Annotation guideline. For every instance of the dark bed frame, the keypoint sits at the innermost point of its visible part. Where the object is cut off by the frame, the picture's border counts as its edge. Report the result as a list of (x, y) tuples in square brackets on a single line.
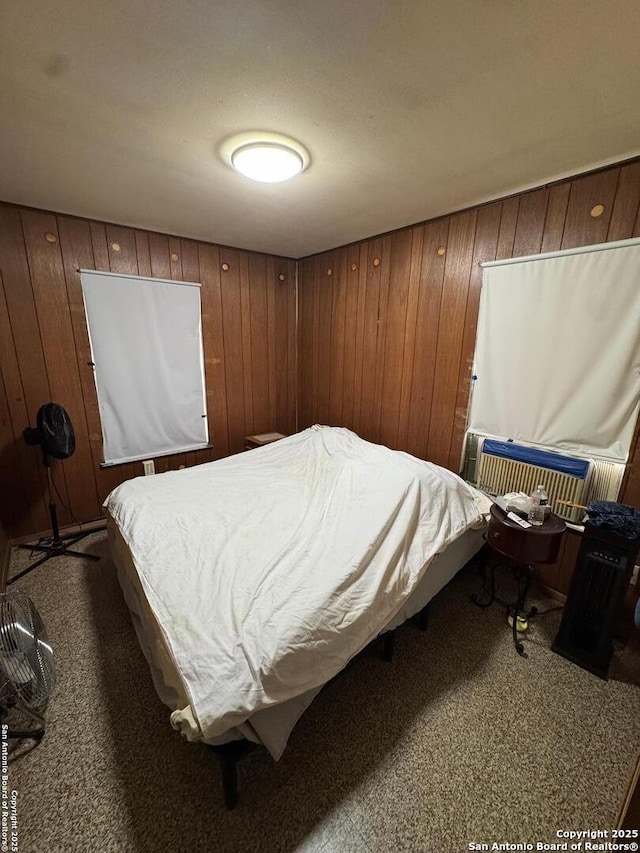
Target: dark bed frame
[(230, 754)]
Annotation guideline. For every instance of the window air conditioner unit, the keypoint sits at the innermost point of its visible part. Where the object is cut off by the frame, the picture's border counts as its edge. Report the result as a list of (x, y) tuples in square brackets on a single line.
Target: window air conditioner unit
[(498, 467)]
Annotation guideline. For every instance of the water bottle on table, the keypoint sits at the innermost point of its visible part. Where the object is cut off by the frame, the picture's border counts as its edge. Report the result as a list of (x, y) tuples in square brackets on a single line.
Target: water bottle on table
[(538, 502)]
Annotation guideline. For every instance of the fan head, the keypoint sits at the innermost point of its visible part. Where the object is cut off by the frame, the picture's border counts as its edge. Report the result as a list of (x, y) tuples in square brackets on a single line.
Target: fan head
[(54, 431), (27, 673)]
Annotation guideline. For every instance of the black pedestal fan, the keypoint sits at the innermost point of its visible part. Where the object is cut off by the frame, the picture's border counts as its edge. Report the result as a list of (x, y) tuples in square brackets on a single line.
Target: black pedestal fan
[(54, 433)]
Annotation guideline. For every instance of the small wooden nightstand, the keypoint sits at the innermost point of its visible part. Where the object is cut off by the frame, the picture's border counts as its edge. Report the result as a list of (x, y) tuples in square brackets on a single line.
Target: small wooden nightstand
[(253, 441), (524, 548)]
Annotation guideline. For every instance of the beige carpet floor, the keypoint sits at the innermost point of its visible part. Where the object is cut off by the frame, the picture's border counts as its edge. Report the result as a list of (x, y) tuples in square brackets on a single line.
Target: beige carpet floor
[(458, 740)]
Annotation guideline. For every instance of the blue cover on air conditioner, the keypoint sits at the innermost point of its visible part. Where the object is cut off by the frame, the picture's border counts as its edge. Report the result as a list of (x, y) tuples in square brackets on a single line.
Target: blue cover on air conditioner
[(543, 458)]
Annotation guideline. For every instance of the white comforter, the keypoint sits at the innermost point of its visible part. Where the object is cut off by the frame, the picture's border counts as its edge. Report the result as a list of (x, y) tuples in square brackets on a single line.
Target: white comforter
[(269, 570)]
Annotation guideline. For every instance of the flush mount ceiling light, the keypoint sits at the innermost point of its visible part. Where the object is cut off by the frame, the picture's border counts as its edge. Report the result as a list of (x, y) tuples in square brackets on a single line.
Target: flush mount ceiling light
[(266, 162), (265, 157)]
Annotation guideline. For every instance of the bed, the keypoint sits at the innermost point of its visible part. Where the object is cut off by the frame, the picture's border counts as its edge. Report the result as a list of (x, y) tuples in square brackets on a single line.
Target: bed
[(253, 580)]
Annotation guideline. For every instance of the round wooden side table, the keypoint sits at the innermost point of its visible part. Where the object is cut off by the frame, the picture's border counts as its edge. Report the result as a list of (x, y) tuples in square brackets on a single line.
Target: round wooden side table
[(523, 548)]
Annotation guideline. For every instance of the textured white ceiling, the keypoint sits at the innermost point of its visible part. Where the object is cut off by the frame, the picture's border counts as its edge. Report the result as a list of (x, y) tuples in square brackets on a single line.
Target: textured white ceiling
[(115, 110)]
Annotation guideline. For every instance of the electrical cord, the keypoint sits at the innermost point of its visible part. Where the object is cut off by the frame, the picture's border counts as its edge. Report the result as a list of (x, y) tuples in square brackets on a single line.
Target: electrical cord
[(64, 504), (550, 610), (487, 591)]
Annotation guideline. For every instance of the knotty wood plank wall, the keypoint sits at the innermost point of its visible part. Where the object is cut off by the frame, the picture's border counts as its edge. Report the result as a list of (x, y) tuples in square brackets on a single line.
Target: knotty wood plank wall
[(249, 332), (387, 326)]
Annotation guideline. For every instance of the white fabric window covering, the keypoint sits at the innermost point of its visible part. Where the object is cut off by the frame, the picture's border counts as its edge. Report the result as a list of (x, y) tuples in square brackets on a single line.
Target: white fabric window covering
[(146, 347), (557, 360)]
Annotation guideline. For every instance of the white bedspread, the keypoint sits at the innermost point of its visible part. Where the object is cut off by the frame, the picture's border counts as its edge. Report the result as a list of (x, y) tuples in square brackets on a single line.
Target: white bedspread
[(269, 570)]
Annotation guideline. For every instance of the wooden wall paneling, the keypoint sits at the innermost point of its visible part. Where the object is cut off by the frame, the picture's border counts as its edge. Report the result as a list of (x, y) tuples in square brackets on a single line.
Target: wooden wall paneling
[(450, 334), (188, 250), (315, 352), (417, 238), (233, 348), (338, 309), (245, 304), (626, 205), (142, 253), (532, 212), (580, 228), (325, 293), (368, 425), (395, 331), (162, 464), (558, 575), (74, 477), (259, 341), (215, 358), (358, 349), (547, 575), (99, 246), (289, 364), (23, 367), (77, 253), (508, 222), (190, 270), (360, 255), (5, 555), (44, 301), (306, 292), (16, 512), (175, 258), (555, 218), (383, 304), (350, 324), (22, 312), (486, 242), (22, 505), (435, 314), (159, 254), (626, 212), (630, 487), (271, 281), (436, 235), (121, 247), (630, 491), (292, 351)]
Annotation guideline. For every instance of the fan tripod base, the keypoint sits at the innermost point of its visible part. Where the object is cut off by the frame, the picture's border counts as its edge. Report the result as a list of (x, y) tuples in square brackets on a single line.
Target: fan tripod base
[(23, 734), (33, 734), (58, 548)]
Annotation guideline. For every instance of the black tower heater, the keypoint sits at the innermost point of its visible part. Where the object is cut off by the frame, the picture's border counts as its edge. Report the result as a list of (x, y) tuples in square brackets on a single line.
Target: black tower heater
[(600, 580)]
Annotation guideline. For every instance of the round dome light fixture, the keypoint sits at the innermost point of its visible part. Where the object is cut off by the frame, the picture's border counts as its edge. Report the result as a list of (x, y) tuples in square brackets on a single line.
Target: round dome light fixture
[(266, 162), (266, 157)]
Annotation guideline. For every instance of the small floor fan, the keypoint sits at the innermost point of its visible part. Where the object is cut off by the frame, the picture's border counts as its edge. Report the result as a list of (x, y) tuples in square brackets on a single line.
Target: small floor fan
[(54, 433), (27, 673)]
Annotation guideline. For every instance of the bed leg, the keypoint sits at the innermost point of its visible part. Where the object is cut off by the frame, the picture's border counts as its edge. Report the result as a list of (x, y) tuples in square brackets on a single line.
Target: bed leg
[(229, 771), (387, 648), (228, 756), (423, 618)]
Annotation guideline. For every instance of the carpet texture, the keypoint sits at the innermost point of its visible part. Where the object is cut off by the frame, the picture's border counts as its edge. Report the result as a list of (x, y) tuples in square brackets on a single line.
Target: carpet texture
[(458, 740)]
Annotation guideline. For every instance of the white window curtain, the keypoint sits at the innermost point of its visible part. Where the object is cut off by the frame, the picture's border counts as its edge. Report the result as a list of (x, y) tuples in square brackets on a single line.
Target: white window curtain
[(557, 360), (146, 346)]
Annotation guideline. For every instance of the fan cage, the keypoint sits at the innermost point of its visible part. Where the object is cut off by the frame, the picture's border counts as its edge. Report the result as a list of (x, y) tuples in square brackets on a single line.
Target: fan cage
[(27, 673)]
